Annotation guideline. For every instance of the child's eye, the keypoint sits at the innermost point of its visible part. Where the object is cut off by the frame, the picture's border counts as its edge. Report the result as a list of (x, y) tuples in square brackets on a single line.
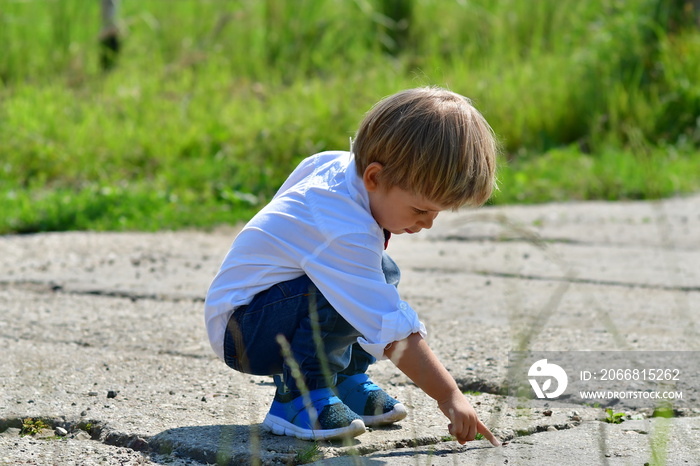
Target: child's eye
[(420, 212)]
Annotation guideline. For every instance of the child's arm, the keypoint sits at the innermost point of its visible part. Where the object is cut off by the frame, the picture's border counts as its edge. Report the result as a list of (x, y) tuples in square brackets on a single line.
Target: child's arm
[(414, 358)]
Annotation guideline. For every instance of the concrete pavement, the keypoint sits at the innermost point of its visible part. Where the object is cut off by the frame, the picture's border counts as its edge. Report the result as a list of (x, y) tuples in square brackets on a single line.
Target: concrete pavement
[(102, 335)]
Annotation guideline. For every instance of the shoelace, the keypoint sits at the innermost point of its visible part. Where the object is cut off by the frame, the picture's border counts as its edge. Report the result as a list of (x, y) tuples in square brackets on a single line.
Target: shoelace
[(368, 386)]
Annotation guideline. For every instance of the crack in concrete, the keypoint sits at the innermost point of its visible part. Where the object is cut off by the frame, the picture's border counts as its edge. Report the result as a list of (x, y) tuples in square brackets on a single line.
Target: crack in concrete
[(97, 430), (149, 445), (590, 281), (666, 246), (41, 287), (569, 279)]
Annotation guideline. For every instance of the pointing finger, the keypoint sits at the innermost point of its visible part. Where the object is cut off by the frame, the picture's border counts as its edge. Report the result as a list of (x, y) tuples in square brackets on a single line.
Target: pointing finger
[(483, 430)]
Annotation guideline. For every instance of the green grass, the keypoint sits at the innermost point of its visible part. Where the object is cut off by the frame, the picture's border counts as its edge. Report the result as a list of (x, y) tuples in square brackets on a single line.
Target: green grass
[(308, 454), (213, 103)]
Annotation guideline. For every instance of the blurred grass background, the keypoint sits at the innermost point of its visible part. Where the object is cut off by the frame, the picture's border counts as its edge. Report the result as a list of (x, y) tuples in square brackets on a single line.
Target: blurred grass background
[(211, 103)]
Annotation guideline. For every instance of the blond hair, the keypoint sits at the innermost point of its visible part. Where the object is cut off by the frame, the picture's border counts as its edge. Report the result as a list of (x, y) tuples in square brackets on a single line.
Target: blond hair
[(431, 142)]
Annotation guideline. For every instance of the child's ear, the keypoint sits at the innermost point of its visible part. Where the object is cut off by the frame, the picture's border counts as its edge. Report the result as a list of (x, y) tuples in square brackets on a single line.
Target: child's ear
[(371, 176)]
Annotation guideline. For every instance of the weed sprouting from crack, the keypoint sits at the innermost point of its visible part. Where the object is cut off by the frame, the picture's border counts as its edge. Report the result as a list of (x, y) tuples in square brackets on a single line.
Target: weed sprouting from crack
[(31, 426), (613, 417)]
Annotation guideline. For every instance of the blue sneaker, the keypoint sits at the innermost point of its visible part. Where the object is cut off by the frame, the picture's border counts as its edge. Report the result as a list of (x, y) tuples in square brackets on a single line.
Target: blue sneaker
[(318, 415), (372, 403)]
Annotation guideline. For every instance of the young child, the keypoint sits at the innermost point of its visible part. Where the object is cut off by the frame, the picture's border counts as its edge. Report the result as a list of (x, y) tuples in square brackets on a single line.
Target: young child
[(307, 293)]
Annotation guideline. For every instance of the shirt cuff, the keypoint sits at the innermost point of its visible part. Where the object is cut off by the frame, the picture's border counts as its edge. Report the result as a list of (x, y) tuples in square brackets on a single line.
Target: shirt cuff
[(396, 326)]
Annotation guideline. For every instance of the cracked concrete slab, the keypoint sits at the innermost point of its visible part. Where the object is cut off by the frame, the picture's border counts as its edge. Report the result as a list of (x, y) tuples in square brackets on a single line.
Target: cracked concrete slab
[(102, 336)]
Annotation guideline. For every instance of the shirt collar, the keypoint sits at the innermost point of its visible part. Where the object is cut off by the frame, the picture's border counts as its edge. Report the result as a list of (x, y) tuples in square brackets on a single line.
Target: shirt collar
[(356, 186), (357, 190)]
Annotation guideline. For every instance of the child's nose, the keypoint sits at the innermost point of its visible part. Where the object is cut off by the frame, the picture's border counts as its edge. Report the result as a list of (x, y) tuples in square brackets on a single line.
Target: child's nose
[(428, 222)]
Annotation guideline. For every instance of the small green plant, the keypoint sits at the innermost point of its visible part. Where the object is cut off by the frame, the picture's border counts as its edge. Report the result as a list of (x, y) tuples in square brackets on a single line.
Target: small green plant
[(308, 454), (89, 428), (32, 426), (614, 418), (479, 437)]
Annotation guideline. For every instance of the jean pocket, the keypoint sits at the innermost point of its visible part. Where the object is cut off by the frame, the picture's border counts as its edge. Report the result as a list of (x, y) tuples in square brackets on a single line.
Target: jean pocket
[(234, 348)]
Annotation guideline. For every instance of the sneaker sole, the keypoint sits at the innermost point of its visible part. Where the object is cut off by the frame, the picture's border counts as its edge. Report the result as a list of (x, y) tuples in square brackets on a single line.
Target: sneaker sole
[(279, 426), (399, 412)]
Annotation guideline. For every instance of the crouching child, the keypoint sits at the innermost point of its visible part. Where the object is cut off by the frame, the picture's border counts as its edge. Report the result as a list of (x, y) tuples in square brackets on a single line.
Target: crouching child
[(307, 293)]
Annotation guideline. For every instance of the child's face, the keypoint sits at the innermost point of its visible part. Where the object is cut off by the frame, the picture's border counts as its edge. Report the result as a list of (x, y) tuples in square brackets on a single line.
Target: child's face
[(398, 210)]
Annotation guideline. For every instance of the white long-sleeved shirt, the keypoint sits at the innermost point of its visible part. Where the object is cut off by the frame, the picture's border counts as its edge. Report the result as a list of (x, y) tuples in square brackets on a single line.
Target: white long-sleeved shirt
[(319, 224)]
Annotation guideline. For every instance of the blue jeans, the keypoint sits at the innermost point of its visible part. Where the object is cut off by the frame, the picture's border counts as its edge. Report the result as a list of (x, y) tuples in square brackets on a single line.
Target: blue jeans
[(291, 310)]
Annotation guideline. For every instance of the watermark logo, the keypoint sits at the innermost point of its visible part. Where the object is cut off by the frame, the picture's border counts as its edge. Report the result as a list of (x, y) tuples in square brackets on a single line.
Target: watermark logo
[(631, 380), (542, 369)]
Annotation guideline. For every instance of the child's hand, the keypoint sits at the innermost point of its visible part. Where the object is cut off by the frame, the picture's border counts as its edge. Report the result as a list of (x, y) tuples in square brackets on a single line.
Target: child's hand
[(415, 359), (464, 423)]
